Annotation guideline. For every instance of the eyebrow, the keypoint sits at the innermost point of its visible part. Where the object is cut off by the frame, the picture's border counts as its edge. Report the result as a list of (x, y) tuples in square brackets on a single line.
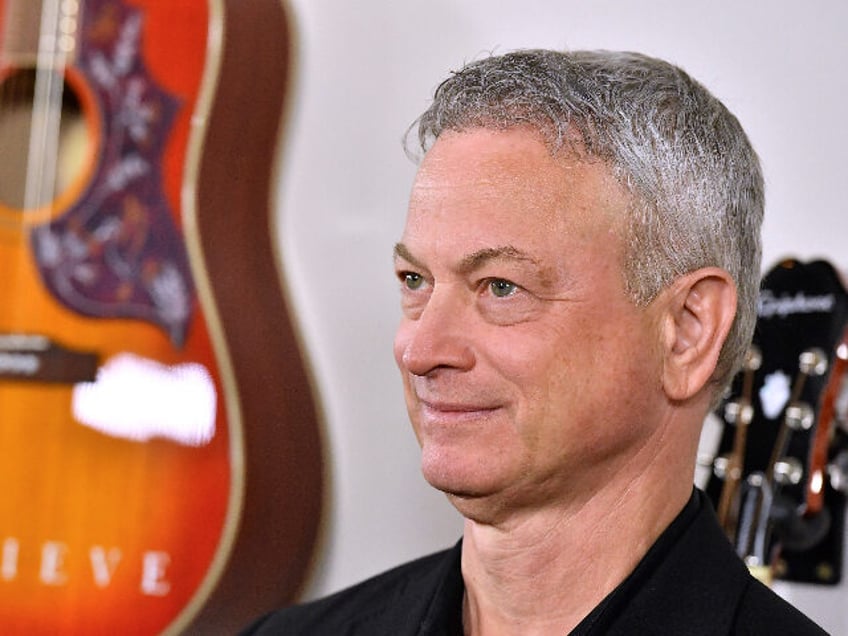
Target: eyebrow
[(478, 259), (475, 260), (402, 251)]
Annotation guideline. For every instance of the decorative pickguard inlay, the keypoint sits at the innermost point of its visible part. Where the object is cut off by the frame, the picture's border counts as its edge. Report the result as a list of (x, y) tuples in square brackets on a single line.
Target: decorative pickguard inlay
[(118, 252)]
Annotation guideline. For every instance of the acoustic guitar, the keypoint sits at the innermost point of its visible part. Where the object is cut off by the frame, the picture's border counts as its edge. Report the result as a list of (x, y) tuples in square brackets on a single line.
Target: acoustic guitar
[(160, 452), (778, 489)]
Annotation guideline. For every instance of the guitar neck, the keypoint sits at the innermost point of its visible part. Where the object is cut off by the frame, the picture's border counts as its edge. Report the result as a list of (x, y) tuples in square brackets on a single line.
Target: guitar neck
[(820, 443)]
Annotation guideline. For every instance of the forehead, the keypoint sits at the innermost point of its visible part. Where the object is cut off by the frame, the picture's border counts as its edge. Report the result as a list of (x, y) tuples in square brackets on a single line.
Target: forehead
[(489, 162), (480, 182)]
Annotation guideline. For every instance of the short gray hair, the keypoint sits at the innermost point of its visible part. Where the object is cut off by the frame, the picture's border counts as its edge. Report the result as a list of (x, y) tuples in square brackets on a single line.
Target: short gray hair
[(695, 181)]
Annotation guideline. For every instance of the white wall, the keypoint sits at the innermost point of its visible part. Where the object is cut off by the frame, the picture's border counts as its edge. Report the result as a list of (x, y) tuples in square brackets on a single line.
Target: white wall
[(365, 71)]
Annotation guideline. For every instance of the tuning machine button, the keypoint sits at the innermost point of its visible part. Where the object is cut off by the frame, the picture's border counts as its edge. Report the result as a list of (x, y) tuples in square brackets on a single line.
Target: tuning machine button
[(813, 362), (723, 469), (799, 416), (738, 412), (788, 471), (837, 472)]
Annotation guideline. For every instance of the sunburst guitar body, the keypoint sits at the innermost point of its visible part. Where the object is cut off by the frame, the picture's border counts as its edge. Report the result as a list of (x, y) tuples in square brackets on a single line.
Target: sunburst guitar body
[(160, 456)]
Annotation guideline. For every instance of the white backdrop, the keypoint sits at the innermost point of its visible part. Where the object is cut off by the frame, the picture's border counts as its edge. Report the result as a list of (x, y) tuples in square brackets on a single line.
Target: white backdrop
[(366, 69)]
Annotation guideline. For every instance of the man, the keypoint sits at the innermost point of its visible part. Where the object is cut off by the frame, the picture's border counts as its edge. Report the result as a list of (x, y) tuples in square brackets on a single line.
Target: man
[(578, 277)]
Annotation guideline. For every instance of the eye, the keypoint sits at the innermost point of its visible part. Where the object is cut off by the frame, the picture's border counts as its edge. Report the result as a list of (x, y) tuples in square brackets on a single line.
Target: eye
[(502, 288), (411, 280)]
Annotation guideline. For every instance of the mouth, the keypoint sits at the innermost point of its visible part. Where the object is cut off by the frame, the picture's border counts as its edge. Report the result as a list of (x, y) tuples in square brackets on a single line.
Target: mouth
[(443, 412)]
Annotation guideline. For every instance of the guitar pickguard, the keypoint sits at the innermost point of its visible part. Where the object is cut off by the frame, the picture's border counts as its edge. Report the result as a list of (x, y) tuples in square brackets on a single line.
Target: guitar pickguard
[(117, 252)]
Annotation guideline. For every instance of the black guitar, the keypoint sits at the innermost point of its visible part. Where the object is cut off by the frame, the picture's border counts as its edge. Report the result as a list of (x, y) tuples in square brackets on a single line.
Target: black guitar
[(776, 486)]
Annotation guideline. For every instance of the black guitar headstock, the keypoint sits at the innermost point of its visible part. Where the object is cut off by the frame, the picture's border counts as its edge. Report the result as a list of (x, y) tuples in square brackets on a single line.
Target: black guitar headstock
[(771, 487)]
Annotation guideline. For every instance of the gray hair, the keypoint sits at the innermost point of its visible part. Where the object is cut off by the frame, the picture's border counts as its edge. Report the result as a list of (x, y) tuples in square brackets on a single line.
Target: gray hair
[(695, 181)]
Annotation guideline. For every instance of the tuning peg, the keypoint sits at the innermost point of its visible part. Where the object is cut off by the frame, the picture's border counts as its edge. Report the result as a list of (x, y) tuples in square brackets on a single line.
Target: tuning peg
[(753, 358), (813, 362), (837, 471), (788, 471), (722, 470), (738, 412), (799, 416)]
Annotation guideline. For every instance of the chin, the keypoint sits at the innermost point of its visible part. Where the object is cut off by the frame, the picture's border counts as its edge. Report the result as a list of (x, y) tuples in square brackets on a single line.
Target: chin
[(466, 480), (484, 509), (448, 472)]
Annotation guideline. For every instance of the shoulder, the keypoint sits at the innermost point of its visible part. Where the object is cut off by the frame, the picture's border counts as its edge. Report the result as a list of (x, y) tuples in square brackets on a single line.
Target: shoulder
[(762, 611), (699, 587), (750, 607), (399, 595)]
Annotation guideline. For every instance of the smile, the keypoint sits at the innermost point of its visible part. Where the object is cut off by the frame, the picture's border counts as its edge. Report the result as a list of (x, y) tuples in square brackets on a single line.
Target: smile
[(454, 412)]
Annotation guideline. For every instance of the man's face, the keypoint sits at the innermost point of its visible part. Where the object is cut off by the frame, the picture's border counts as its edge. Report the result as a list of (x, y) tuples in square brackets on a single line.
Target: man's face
[(528, 373)]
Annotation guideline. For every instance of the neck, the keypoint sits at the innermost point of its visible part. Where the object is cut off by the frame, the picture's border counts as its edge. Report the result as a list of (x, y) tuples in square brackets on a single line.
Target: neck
[(543, 571)]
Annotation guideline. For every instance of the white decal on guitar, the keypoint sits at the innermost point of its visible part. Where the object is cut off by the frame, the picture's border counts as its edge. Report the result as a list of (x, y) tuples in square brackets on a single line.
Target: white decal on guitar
[(775, 393), (139, 399)]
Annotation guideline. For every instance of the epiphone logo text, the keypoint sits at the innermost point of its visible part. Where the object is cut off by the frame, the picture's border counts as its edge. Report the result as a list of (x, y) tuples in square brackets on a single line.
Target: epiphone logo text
[(104, 562), (782, 306)]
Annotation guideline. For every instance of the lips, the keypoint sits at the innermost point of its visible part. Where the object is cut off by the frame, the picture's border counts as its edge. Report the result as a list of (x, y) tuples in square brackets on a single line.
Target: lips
[(454, 407), (444, 412), (446, 401)]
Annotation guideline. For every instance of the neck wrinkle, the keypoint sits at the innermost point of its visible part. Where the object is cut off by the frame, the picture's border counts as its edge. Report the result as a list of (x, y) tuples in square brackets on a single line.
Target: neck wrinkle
[(546, 571)]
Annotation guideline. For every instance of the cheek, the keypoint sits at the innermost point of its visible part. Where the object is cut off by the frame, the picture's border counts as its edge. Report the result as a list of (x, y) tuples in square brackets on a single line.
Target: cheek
[(542, 377), (578, 374), (608, 386)]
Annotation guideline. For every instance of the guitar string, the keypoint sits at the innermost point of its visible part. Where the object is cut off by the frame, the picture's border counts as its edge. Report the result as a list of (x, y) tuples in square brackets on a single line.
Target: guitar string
[(758, 533), (42, 157), (32, 99)]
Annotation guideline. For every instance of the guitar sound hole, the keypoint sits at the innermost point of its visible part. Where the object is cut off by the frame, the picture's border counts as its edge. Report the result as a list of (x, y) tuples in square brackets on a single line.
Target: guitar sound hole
[(44, 146)]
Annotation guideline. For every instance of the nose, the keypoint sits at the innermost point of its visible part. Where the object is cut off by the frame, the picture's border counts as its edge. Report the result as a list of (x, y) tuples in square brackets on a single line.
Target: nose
[(438, 338)]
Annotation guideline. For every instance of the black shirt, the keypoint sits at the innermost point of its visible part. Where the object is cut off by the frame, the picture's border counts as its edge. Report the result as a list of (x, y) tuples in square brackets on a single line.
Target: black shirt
[(690, 583)]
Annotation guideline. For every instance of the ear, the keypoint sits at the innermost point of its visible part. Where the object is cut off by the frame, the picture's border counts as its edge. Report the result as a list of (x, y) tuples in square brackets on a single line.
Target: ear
[(700, 308)]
